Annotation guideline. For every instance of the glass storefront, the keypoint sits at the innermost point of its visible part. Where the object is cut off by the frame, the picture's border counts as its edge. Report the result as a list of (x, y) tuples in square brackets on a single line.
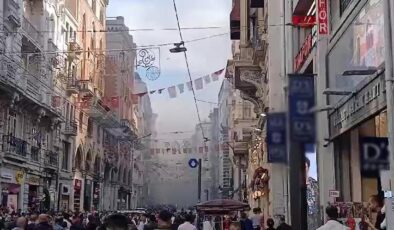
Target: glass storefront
[(360, 47)]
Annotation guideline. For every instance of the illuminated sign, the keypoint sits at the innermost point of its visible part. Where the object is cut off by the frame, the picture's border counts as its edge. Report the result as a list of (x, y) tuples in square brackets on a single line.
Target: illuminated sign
[(322, 16)]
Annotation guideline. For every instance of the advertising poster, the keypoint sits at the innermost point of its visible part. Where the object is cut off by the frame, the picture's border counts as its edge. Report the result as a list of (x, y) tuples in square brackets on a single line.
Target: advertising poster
[(312, 187), (12, 202)]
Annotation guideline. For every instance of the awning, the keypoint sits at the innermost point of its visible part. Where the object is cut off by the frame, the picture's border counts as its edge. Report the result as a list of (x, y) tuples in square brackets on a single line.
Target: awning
[(235, 21), (303, 7)]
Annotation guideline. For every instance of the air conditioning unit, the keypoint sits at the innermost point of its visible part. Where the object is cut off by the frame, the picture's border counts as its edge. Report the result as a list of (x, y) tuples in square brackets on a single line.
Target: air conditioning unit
[(65, 189)]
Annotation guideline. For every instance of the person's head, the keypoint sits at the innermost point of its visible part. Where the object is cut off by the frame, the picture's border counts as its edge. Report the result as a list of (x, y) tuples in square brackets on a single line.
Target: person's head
[(152, 218), (270, 222), (59, 221), (307, 165), (21, 222), (244, 215), (33, 218), (76, 220), (189, 218), (282, 219), (375, 203), (235, 226), (66, 216), (332, 212), (115, 222), (143, 218), (164, 218), (43, 218)]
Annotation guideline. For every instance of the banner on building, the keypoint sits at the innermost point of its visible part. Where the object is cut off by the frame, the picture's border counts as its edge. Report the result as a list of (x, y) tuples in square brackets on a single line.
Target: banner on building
[(276, 138), (374, 155), (322, 12), (301, 101)]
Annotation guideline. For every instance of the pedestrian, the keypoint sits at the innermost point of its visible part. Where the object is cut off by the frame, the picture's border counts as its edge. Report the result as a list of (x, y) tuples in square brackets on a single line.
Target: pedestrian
[(21, 223), (206, 225), (235, 226), (189, 219), (92, 223), (257, 219), (115, 221), (66, 218), (76, 223), (164, 220), (32, 222), (376, 204), (282, 224), (246, 223), (332, 223), (43, 223), (270, 224), (141, 223), (151, 225), (59, 223)]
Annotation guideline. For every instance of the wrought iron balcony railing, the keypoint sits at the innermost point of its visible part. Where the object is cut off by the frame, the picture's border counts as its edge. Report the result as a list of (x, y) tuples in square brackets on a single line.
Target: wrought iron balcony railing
[(51, 158), (71, 128), (35, 154), (14, 145)]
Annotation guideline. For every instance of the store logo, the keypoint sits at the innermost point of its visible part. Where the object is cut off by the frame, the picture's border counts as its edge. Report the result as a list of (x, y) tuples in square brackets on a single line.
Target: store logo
[(374, 155)]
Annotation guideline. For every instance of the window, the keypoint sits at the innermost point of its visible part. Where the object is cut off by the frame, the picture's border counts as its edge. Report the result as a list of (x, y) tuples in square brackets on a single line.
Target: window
[(83, 27), (94, 7), (90, 127), (66, 155), (80, 121)]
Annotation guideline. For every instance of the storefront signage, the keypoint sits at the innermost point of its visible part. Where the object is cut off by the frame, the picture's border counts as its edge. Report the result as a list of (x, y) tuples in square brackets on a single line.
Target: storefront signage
[(334, 193), (374, 155), (322, 10), (77, 184), (366, 102), (19, 175), (301, 101), (304, 21), (276, 138), (33, 180), (303, 53), (7, 175)]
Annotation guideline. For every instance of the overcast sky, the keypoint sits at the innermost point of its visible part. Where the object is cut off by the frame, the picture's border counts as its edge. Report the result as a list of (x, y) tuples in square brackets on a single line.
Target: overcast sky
[(205, 56)]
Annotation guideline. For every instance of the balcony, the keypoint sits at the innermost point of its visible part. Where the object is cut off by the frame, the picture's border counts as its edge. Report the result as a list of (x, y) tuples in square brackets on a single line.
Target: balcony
[(71, 129), (51, 159), (14, 148), (35, 154), (74, 50), (32, 33), (11, 11), (86, 87), (72, 85)]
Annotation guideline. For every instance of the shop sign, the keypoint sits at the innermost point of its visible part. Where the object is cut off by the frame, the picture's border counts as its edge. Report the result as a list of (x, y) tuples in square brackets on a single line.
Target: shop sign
[(276, 138), (304, 21), (334, 193), (322, 10), (363, 104), (303, 53), (33, 180), (374, 155), (7, 175), (301, 101), (77, 184), (19, 176)]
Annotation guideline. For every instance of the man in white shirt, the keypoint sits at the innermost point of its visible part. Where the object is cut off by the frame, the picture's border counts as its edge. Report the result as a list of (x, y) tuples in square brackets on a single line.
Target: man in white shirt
[(189, 219), (332, 223)]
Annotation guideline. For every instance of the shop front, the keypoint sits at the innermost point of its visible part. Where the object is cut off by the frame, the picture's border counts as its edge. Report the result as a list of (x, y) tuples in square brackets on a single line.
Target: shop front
[(358, 124), (11, 189), (77, 194), (32, 193)]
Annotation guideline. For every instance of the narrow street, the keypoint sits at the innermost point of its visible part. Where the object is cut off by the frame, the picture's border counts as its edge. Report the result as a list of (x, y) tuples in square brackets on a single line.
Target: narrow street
[(186, 114)]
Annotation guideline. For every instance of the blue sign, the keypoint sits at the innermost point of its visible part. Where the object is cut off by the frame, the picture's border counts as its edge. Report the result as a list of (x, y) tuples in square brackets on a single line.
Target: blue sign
[(276, 138), (301, 101), (193, 163), (374, 155)]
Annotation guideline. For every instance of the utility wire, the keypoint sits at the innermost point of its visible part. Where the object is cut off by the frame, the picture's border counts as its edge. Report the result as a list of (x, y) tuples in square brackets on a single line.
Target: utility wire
[(188, 71), (208, 102), (124, 30), (117, 50)]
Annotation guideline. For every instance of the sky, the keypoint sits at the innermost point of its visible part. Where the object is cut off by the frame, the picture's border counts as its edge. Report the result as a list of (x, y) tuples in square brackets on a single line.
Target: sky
[(205, 56)]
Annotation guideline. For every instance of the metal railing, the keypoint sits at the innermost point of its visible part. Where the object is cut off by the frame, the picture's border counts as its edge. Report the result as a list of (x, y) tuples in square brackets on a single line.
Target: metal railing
[(14, 145), (35, 154), (51, 158), (32, 31)]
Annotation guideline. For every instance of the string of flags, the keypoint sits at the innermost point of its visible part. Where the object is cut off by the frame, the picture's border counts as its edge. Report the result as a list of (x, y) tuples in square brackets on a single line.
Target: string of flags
[(114, 101), (197, 84), (189, 150)]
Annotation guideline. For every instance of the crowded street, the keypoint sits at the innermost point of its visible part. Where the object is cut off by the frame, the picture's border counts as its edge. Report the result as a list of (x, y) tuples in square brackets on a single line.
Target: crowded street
[(197, 114)]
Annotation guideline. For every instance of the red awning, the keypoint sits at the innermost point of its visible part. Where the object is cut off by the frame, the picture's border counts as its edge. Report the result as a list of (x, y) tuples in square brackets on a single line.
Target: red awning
[(302, 7), (235, 23)]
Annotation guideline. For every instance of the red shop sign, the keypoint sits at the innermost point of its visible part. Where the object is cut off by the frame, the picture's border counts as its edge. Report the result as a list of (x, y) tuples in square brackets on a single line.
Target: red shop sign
[(304, 21), (322, 16), (304, 53)]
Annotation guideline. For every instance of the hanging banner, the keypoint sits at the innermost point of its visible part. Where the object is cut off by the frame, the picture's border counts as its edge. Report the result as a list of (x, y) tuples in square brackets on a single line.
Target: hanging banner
[(189, 85), (276, 138), (301, 101), (181, 88), (199, 84), (207, 79), (172, 92)]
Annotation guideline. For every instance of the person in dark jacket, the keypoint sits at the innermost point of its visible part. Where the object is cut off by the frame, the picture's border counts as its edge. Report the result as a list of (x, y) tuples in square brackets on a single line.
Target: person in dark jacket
[(151, 225), (164, 220), (43, 223), (282, 224), (246, 223), (76, 223), (115, 221), (270, 224)]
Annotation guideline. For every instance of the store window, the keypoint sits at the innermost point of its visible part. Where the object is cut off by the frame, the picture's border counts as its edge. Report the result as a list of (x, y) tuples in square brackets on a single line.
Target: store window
[(360, 47), (66, 155)]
